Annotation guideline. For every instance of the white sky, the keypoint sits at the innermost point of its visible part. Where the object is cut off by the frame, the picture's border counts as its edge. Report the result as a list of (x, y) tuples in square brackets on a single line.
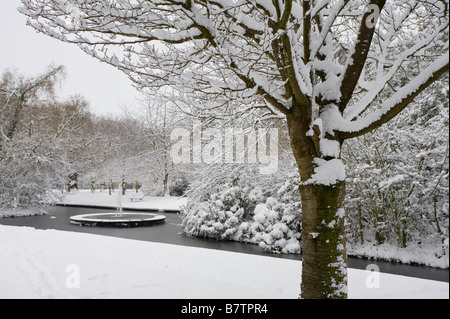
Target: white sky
[(22, 48)]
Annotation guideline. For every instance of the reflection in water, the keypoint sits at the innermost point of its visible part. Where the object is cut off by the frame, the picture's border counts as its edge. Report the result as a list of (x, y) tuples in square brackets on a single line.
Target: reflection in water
[(170, 233)]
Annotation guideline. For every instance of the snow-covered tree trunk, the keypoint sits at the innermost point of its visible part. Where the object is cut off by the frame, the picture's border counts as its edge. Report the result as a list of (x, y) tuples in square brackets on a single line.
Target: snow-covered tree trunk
[(324, 257)]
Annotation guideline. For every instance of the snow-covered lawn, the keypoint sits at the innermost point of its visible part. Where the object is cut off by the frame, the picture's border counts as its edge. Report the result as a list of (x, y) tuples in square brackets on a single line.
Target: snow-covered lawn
[(57, 264)]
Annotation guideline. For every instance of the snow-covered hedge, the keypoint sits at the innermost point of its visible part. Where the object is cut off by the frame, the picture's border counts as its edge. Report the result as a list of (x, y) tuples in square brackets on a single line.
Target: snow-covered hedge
[(248, 215), (220, 217)]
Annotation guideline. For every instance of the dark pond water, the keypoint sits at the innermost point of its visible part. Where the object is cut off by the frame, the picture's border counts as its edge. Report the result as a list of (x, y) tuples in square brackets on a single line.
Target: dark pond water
[(170, 233)]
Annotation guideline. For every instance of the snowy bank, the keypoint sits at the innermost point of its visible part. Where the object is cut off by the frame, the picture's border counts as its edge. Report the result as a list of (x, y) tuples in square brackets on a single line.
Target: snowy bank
[(423, 254), (57, 264), (22, 212), (103, 199)]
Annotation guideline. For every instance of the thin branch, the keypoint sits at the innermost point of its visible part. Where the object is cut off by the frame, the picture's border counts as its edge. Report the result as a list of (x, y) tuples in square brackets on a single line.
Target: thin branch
[(401, 99)]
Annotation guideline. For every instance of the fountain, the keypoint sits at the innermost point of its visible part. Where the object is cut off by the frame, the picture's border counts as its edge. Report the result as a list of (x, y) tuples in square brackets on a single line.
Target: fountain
[(119, 218), (128, 220)]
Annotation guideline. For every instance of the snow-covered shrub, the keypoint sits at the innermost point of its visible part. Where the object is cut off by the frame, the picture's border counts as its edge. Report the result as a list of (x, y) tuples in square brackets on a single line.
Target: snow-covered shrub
[(179, 186), (28, 176), (152, 188), (276, 223), (248, 215), (219, 217), (397, 186)]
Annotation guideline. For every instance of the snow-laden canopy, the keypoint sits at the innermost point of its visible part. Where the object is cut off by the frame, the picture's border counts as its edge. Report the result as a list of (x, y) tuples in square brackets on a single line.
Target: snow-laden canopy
[(352, 63)]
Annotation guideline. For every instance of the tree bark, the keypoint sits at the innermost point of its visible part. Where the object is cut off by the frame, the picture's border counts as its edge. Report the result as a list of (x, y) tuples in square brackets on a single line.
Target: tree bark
[(360, 223), (166, 190), (124, 187), (324, 259)]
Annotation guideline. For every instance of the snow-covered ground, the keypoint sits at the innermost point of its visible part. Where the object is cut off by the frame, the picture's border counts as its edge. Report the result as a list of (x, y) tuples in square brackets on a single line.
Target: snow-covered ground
[(86, 197), (58, 264)]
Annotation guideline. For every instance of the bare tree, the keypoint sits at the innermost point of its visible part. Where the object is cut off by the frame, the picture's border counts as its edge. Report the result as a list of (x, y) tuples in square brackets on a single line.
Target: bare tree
[(158, 118), (333, 69)]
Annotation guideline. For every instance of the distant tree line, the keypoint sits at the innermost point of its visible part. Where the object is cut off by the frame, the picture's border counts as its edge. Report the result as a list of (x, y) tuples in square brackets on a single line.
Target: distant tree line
[(49, 146)]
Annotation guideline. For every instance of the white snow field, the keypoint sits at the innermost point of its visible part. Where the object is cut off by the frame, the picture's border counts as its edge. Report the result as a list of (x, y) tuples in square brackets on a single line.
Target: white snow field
[(103, 199), (57, 264)]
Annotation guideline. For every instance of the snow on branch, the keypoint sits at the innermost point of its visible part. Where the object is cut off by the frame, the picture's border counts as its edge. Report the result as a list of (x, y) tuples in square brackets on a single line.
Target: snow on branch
[(308, 55), (395, 104), (382, 78)]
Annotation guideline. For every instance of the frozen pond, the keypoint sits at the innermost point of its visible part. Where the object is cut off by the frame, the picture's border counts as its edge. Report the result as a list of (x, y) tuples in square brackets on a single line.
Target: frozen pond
[(170, 233)]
